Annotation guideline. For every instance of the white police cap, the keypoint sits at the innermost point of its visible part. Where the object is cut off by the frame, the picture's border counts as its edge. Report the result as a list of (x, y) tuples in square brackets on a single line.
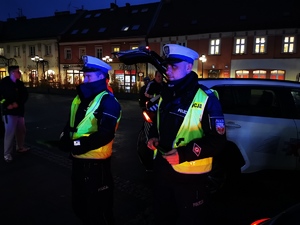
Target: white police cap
[(93, 64), (177, 53)]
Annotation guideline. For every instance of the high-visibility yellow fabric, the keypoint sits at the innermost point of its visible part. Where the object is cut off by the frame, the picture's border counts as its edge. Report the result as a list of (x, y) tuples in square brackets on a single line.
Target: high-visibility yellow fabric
[(88, 126), (189, 130)]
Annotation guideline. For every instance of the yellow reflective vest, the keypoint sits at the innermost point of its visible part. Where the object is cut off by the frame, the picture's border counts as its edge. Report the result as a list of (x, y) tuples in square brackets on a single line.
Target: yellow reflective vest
[(88, 126), (189, 130)]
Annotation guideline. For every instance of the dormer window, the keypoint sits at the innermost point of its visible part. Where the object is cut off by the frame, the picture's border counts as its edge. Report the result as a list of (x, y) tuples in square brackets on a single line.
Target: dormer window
[(74, 32), (84, 31), (102, 29), (135, 27)]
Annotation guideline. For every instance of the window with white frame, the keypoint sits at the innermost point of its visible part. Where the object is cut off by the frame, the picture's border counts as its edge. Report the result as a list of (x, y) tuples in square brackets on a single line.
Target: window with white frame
[(32, 50), (260, 45), (82, 51), (17, 51), (2, 51), (68, 53), (99, 52), (48, 50), (240, 45), (214, 48), (288, 44)]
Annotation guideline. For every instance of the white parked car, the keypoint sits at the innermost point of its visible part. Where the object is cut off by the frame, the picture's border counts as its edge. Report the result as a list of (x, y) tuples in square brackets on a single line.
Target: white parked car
[(262, 122)]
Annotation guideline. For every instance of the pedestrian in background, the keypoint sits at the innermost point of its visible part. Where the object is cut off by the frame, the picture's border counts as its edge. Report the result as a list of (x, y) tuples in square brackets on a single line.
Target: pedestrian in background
[(89, 135), (189, 132), (142, 98), (108, 84), (155, 86), (13, 96)]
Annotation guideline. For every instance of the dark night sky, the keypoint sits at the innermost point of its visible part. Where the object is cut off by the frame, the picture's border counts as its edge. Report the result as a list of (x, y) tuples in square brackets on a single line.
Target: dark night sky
[(43, 8)]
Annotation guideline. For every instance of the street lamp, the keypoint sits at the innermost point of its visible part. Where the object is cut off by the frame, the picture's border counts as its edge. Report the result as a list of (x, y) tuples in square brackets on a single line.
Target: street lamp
[(37, 59), (107, 59), (203, 60)]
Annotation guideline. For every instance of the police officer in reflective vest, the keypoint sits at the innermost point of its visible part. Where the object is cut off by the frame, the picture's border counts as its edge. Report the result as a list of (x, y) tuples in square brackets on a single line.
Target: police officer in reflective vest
[(188, 133), (88, 135)]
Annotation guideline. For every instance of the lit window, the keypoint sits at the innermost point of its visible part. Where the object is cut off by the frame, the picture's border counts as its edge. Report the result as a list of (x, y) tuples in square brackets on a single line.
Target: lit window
[(115, 49), (125, 28), (240, 46), (2, 51), (260, 74), (260, 45), (242, 74), (133, 47), (215, 46), (277, 74), (289, 44)]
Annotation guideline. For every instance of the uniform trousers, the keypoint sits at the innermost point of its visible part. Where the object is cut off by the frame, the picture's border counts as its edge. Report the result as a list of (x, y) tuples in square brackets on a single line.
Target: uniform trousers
[(179, 199), (92, 191), (14, 130)]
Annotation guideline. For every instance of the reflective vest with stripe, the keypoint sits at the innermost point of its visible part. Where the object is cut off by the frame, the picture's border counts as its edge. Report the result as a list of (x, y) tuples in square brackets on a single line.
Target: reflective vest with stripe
[(88, 126), (189, 130)]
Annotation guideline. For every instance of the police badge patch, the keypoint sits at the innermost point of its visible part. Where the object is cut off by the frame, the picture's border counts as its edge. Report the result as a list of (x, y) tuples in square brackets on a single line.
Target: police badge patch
[(196, 149), (220, 126), (166, 51)]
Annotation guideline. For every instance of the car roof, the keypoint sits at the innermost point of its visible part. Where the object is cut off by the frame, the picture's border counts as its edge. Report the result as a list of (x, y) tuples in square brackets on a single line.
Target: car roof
[(211, 82)]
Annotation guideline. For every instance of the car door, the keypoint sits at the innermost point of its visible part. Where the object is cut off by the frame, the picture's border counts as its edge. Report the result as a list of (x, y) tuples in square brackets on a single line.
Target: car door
[(295, 107), (260, 127)]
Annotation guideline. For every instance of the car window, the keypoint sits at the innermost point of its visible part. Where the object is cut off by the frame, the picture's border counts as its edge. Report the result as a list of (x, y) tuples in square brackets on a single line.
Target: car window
[(250, 100)]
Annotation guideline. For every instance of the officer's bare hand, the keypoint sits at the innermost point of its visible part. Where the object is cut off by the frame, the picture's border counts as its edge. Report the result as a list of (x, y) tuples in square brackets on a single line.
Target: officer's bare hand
[(153, 143), (172, 157)]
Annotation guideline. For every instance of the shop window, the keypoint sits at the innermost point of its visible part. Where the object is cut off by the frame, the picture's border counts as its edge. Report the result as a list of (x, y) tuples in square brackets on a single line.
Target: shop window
[(242, 74), (277, 74), (259, 74)]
